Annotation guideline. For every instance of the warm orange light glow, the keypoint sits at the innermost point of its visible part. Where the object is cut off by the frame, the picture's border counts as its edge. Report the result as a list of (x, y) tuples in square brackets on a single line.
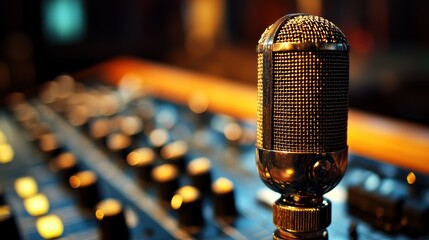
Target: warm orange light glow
[(198, 102), (158, 137), (199, 166), (176, 201), (131, 86), (6, 153), (26, 187), (184, 194), (65, 160), (369, 135), (118, 141), (82, 179), (313, 7), (411, 178), (49, 226), (48, 142), (222, 185), (78, 115), (130, 125), (233, 131), (4, 212), (174, 149), (100, 128), (164, 173), (140, 157), (36, 205), (108, 207)]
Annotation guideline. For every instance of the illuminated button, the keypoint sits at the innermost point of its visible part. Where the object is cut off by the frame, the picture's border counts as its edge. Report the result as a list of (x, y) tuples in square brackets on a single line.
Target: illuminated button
[(175, 153), (142, 159), (187, 203), (36, 205), (65, 164), (6, 153), (78, 115), (26, 187), (111, 217), (198, 103), (100, 129), (130, 125), (85, 183), (411, 178), (50, 145), (50, 226), (8, 228), (158, 138), (200, 174), (119, 143), (233, 132), (224, 199), (166, 180)]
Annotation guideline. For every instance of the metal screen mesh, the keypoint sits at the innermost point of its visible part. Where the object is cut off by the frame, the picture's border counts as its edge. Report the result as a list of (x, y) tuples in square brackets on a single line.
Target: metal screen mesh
[(307, 28), (310, 101), (259, 101)]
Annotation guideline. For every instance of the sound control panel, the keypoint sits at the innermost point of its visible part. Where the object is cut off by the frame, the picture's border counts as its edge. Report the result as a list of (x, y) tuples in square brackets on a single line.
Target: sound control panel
[(95, 161)]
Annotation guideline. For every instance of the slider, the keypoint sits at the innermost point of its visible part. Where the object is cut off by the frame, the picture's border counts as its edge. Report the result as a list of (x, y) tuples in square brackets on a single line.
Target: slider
[(187, 203), (175, 153), (199, 170), (141, 160), (166, 179), (85, 184), (224, 199), (111, 218)]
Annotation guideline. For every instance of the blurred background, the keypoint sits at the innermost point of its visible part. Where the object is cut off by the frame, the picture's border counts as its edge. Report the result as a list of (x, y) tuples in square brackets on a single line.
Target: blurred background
[(389, 64)]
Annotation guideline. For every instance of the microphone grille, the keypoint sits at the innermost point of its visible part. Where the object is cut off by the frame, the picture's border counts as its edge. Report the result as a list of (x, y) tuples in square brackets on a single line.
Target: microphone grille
[(310, 29), (310, 101), (307, 89)]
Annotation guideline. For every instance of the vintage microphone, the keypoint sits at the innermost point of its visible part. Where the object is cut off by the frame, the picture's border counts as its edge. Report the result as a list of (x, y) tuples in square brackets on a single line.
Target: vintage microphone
[(301, 146)]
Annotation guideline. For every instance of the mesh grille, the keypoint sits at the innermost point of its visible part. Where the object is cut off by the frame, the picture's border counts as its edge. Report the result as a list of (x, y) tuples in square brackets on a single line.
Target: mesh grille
[(307, 28), (259, 101), (310, 101)]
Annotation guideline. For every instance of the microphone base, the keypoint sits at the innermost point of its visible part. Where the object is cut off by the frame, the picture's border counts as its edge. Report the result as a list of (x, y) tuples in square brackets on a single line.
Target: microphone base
[(280, 234), (301, 221)]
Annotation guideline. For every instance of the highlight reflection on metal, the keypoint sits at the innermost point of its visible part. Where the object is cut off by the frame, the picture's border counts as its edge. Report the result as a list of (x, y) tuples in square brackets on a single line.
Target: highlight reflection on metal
[(286, 46), (302, 103), (302, 109)]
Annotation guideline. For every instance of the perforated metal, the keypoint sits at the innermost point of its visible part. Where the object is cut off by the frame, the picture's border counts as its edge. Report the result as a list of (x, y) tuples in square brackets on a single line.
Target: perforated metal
[(259, 101), (310, 101), (308, 28), (309, 89)]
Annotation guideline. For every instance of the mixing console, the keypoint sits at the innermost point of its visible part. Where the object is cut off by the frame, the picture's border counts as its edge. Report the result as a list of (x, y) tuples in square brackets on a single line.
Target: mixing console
[(95, 161)]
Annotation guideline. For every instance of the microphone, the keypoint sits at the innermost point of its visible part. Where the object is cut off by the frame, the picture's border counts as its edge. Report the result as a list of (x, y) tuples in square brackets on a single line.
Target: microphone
[(302, 107)]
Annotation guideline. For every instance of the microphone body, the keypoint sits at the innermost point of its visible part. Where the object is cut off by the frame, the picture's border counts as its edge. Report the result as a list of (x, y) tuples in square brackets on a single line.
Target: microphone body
[(301, 146)]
